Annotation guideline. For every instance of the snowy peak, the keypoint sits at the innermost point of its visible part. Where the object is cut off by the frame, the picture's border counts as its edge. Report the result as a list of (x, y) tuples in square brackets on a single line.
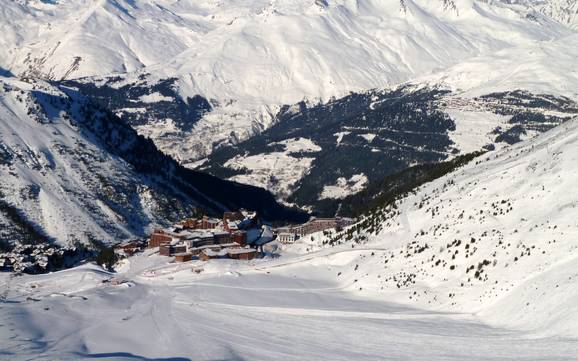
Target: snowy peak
[(66, 39)]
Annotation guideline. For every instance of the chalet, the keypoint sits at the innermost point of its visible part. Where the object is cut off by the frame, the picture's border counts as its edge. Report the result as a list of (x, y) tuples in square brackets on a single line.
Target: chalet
[(129, 247), (159, 236), (242, 253), (209, 223), (208, 254), (183, 257)]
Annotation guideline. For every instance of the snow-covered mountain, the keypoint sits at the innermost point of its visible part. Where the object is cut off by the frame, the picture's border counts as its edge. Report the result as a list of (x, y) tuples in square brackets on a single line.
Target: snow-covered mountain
[(496, 238), (72, 172), (246, 59), (315, 100), (484, 102), (199, 76), (319, 156), (70, 38)]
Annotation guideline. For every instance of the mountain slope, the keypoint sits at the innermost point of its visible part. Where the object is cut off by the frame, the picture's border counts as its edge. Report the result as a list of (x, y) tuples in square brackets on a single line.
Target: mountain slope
[(261, 55), (547, 68), (318, 156), (485, 102), (75, 172), (496, 238), (71, 38)]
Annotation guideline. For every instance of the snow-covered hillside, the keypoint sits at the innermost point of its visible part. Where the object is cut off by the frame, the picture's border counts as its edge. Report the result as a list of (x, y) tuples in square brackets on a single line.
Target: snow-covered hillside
[(58, 178), (364, 138), (70, 38), (76, 173), (563, 11), (294, 44), (263, 310), (496, 238), (547, 68)]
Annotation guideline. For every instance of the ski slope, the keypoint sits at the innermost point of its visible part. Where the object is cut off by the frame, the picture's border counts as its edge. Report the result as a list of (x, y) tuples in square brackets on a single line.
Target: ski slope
[(263, 311)]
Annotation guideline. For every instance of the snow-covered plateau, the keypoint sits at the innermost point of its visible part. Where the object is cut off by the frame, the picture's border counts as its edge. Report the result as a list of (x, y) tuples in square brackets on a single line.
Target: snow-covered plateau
[(480, 265)]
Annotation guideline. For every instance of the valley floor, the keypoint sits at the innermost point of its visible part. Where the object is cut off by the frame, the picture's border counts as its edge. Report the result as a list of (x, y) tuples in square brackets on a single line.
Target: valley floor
[(288, 308)]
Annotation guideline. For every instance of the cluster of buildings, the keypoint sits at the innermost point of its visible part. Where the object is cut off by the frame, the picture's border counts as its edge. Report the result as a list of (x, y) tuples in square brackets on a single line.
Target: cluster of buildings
[(291, 234), (238, 235)]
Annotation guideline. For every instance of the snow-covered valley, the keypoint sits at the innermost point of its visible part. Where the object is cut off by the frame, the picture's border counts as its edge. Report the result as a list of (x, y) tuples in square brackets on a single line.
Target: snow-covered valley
[(247, 59), (217, 74)]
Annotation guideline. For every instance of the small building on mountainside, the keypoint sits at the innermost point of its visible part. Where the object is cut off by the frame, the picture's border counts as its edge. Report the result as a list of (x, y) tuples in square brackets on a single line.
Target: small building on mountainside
[(183, 257), (286, 236), (129, 248), (159, 236), (242, 253), (290, 234)]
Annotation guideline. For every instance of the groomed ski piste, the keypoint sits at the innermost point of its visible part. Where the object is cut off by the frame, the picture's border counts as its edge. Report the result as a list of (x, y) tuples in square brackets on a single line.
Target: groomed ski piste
[(407, 291)]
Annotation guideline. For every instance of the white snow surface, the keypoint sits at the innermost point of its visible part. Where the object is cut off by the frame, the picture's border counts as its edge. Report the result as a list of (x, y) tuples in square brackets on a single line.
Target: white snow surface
[(277, 172), (60, 177), (344, 187), (545, 69), (296, 145)]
